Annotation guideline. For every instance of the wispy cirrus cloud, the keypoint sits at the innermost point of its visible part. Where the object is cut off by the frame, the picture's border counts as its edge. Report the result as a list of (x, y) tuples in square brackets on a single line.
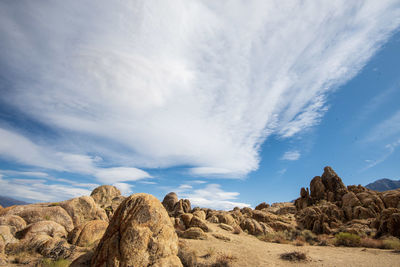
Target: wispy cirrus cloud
[(199, 84), (291, 155)]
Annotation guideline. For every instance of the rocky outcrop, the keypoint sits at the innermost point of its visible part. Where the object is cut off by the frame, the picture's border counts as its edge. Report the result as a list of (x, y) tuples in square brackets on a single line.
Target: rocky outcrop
[(170, 201), (261, 206), (42, 212), (104, 194), (193, 233), (15, 222), (388, 222), (139, 234), (83, 209), (86, 235), (49, 228)]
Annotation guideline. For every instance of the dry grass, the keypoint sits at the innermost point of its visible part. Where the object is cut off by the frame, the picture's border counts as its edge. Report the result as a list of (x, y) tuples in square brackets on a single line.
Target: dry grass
[(294, 256), (347, 240), (209, 253), (58, 263), (275, 237), (391, 243), (224, 260)]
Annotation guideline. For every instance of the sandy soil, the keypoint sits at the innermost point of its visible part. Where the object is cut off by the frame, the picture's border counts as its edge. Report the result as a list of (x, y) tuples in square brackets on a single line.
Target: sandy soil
[(250, 251)]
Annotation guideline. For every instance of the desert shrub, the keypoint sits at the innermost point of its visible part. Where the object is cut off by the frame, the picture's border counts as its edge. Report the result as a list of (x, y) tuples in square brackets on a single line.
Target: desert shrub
[(309, 237), (187, 256), (294, 256), (368, 242), (276, 237), (391, 243), (57, 263), (224, 260), (347, 240), (54, 204), (209, 253)]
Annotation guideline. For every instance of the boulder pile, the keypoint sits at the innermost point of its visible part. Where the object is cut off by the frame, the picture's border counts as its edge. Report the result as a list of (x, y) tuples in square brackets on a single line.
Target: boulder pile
[(329, 207)]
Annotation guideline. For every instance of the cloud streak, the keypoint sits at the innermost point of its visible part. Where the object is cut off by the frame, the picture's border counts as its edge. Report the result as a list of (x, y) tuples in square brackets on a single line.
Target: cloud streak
[(201, 84)]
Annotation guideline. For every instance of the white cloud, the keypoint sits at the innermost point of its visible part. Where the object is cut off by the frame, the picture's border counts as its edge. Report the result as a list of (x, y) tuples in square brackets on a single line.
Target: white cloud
[(126, 189), (201, 84), (291, 155), (388, 128), (39, 190), (23, 150), (108, 175), (389, 150), (210, 196)]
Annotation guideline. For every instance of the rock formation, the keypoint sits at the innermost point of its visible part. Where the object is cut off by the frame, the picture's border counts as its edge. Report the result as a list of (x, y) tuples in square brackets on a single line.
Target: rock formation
[(140, 234)]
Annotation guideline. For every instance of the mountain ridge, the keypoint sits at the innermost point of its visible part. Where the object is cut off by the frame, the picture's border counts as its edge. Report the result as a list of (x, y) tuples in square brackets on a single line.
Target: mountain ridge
[(383, 184)]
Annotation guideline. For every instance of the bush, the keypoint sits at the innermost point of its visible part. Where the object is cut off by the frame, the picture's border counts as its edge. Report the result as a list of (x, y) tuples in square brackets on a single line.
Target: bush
[(58, 263), (347, 240), (275, 237), (224, 260), (309, 237), (391, 243), (294, 256)]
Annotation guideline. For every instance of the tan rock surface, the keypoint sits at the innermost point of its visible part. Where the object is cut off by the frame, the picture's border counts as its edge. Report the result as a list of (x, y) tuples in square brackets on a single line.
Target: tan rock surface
[(104, 194), (140, 234)]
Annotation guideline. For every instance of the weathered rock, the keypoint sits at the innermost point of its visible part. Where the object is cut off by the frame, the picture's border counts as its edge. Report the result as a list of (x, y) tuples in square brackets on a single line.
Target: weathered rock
[(104, 194), (197, 222), (140, 234), (49, 228), (213, 219), (170, 201), (391, 198), (333, 185), (181, 207), (261, 206), (42, 212), (186, 219), (15, 222), (83, 209), (320, 219), (388, 222), (254, 227), (264, 216), (304, 200), (6, 235), (200, 214), (226, 218), (194, 233), (116, 201), (221, 237), (86, 235), (317, 188), (226, 227)]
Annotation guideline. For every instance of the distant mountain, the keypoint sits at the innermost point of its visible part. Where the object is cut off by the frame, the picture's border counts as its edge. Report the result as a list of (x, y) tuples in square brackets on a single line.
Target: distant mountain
[(384, 185), (8, 201)]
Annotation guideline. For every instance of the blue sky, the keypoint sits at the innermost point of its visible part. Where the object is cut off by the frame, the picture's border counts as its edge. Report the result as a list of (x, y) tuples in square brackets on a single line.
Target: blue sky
[(224, 103)]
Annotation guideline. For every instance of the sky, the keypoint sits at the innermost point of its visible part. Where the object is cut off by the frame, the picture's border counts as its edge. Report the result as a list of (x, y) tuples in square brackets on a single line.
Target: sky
[(226, 103)]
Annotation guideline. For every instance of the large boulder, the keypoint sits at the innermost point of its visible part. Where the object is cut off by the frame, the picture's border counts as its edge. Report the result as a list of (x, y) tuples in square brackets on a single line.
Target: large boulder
[(193, 233), (6, 234), (15, 222), (139, 234), (104, 194), (86, 235), (49, 228), (169, 201), (254, 227), (42, 212), (391, 198), (83, 209), (181, 207), (388, 222)]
